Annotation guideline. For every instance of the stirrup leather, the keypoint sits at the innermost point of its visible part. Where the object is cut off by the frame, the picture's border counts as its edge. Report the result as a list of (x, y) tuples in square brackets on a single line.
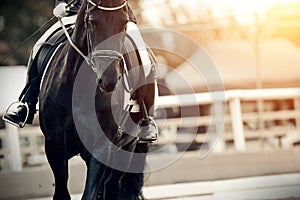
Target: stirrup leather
[(20, 125)]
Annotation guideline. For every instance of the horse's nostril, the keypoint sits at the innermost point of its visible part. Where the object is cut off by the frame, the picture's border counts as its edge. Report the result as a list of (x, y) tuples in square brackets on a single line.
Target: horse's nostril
[(99, 81)]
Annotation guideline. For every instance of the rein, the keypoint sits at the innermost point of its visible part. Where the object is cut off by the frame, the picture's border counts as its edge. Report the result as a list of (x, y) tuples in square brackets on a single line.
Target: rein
[(86, 58)]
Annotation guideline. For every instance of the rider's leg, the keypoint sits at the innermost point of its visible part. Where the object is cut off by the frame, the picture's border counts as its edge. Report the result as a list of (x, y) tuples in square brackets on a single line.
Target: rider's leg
[(138, 122), (148, 130), (145, 94), (28, 99)]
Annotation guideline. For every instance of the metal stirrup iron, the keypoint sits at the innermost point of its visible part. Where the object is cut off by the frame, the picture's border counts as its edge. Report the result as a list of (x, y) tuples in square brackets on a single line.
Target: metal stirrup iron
[(16, 124)]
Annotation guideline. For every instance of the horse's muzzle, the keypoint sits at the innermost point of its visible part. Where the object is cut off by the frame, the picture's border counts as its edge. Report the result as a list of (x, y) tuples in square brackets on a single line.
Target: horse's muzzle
[(108, 69)]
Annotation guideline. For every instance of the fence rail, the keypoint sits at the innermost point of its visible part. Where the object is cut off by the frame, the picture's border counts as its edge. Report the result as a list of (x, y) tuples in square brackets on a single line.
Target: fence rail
[(235, 117)]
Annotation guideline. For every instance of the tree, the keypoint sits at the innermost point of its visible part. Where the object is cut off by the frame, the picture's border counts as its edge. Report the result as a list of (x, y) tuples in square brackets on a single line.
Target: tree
[(18, 20)]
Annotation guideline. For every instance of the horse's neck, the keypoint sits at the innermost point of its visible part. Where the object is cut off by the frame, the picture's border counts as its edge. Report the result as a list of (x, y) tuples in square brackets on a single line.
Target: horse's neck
[(79, 39), (79, 35)]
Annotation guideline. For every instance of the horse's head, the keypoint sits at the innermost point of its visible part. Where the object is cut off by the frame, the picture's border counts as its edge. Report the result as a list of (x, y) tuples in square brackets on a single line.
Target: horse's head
[(106, 23)]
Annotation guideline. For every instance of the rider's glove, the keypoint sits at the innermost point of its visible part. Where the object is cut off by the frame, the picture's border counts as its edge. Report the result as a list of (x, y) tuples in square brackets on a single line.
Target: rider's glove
[(60, 10)]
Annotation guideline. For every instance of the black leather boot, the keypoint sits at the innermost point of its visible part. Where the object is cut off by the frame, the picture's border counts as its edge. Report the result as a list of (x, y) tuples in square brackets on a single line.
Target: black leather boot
[(23, 115), (148, 131)]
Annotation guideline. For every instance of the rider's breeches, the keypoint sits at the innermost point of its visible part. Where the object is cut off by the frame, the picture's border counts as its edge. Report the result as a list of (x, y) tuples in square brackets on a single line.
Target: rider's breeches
[(31, 91)]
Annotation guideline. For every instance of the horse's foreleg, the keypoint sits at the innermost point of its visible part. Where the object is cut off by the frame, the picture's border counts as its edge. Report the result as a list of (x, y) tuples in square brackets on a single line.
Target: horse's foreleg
[(59, 166), (94, 170), (131, 187), (132, 183)]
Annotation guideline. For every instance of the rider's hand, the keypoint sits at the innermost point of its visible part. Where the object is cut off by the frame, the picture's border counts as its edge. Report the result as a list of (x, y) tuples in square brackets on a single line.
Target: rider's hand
[(60, 10)]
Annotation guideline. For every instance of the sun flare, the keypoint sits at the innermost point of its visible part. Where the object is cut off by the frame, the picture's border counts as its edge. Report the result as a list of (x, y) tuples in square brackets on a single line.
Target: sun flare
[(158, 12)]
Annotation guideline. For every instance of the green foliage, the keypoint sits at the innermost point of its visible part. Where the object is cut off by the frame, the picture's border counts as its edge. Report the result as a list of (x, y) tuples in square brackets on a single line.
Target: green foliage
[(18, 20)]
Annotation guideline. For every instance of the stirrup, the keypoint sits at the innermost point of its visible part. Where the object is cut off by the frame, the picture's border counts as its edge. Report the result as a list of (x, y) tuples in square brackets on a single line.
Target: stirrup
[(139, 128), (20, 125), (122, 139)]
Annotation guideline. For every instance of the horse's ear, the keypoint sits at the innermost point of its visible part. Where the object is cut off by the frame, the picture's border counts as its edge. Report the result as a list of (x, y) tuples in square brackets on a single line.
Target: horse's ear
[(131, 16)]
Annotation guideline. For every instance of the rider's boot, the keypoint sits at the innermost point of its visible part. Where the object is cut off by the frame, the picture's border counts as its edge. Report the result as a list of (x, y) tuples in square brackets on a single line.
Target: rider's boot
[(136, 126), (24, 114), (148, 131), (25, 110), (147, 128)]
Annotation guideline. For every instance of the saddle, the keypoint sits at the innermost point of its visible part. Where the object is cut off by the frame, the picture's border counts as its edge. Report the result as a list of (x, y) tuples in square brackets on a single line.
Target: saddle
[(50, 46)]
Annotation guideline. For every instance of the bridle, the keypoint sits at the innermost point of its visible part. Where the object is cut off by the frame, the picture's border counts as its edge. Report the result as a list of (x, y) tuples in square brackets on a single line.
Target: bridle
[(108, 54), (108, 8), (112, 54)]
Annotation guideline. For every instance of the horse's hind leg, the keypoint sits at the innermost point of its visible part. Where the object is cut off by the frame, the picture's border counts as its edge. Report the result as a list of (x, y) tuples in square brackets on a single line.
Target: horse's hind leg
[(59, 166)]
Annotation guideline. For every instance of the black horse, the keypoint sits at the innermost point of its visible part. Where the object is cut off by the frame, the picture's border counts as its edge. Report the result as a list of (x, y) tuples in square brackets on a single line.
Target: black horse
[(78, 89)]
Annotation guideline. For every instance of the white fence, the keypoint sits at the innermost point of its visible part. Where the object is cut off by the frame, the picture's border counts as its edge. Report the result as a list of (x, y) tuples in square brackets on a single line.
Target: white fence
[(239, 115), (244, 123)]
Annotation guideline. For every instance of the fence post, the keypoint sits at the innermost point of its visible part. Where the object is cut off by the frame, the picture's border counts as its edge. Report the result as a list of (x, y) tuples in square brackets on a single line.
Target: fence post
[(219, 113), (14, 158), (297, 108), (237, 124)]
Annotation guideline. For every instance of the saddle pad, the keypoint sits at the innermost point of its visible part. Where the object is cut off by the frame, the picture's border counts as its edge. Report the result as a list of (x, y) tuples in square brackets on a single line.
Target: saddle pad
[(135, 35), (49, 33), (49, 47)]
